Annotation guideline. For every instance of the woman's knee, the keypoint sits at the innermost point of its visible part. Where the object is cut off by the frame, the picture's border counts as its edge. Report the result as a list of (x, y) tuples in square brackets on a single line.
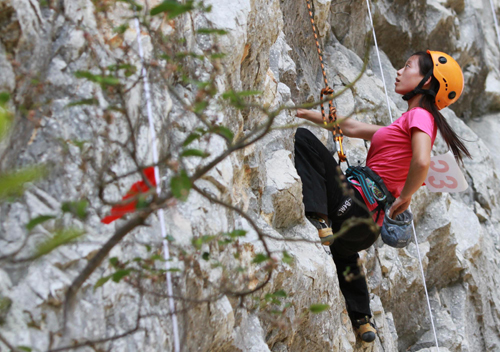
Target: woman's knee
[(303, 135)]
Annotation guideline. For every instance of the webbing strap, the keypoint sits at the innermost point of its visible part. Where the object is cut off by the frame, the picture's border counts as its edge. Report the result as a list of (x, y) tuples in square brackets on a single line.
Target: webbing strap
[(338, 136), (412, 223), (418, 89), (358, 175)]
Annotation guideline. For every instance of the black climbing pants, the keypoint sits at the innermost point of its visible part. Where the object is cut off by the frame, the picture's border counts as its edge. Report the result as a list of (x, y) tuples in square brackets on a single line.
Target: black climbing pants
[(324, 191)]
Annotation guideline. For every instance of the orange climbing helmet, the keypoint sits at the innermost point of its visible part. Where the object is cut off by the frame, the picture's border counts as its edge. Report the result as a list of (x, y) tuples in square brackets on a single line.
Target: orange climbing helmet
[(450, 77)]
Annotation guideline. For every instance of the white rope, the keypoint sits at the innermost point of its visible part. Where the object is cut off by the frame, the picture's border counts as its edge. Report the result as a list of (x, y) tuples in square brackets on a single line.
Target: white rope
[(161, 218), (379, 61), (412, 224), (496, 21), (425, 285)]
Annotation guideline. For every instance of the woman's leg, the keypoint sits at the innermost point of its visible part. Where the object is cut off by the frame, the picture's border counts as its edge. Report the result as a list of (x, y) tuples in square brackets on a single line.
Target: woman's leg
[(324, 193), (319, 173), (345, 255)]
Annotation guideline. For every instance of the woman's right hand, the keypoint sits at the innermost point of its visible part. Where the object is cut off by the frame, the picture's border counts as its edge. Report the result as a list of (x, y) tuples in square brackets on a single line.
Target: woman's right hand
[(302, 113), (399, 206)]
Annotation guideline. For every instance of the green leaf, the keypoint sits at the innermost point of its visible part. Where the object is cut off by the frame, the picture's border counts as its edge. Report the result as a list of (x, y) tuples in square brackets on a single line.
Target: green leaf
[(280, 293), (224, 132), (114, 261), (24, 348), (172, 8), (120, 274), (211, 31), (101, 281), (174, 270), (318, 308), (199, 107), (225, 241), (77, 208), (248, 93), (101, 79), (60, 238), (4, 98), (79, 144), (218, 56), (12, 183), (38, 220), (121, 29), (170, 238), (260, 258), (229, 95), (237, 233), (195, 152), (157, 257), (91, 101), (143, 202), (5, 305), (205, 256), (180, 186), (197, 242), (5, 121), (191, 138), (287, 258), (128, 68)]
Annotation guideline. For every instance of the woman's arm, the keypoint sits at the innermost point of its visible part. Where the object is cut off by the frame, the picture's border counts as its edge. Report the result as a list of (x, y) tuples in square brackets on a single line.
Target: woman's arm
[(350, 127), (421, 146)]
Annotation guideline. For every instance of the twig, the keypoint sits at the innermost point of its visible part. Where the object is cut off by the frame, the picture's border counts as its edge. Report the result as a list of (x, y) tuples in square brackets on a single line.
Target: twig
[(6, 343)]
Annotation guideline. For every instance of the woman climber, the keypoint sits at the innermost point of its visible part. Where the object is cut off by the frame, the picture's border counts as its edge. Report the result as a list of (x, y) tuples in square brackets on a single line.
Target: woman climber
[(399, 155)]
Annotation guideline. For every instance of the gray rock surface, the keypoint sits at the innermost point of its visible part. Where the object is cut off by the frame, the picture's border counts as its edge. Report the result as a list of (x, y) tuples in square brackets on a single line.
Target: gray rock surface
[(270, 48)]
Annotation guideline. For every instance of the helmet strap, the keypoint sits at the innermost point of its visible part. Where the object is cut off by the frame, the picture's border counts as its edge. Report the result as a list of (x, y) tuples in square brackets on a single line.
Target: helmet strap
[(418, 89)]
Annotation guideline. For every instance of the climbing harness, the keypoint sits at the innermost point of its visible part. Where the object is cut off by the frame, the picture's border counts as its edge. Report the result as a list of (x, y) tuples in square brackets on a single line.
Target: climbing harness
[(161, 217), (412, 223), (338, 136), (372, 185)]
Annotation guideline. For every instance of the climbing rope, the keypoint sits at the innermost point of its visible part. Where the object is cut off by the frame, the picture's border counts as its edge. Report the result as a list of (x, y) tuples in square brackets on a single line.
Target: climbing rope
[(379, 61), (413, 223), (338, 136), (161, 218), (495, 20)]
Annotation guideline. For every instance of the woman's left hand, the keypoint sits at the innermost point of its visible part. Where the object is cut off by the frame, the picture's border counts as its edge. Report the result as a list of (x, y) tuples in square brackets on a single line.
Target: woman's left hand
[(399, 206)]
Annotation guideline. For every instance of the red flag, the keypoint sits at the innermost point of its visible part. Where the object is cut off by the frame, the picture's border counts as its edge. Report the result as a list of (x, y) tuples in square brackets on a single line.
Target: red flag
[(137, 188)]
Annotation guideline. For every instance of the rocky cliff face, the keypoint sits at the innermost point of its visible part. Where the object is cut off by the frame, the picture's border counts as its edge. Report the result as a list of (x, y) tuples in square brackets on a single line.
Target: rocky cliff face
[(269, 47)]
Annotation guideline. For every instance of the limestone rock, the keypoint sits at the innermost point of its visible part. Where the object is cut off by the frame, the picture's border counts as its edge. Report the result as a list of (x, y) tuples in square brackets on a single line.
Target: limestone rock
[(269, 47)]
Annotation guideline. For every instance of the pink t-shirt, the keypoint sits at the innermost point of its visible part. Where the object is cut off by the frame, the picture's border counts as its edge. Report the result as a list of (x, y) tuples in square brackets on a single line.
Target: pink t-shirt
[(390, 151)]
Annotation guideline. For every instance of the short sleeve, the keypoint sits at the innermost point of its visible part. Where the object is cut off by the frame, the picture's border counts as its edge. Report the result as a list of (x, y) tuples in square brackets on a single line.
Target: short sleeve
[(423, 120)]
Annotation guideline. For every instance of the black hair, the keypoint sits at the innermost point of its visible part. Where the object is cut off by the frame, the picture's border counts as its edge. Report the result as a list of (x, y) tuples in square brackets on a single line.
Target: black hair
[(427, 102)]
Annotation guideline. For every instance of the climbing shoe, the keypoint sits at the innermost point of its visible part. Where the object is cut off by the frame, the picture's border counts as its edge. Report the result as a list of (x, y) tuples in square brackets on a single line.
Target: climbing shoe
[(365, 329), (324, 230)]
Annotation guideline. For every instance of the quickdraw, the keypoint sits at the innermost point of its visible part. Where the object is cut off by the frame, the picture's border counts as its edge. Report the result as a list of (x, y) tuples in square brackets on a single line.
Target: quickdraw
[(338, 136)]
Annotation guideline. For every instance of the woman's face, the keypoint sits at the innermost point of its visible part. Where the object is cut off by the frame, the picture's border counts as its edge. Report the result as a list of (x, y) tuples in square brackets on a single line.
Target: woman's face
[(408, 77)]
